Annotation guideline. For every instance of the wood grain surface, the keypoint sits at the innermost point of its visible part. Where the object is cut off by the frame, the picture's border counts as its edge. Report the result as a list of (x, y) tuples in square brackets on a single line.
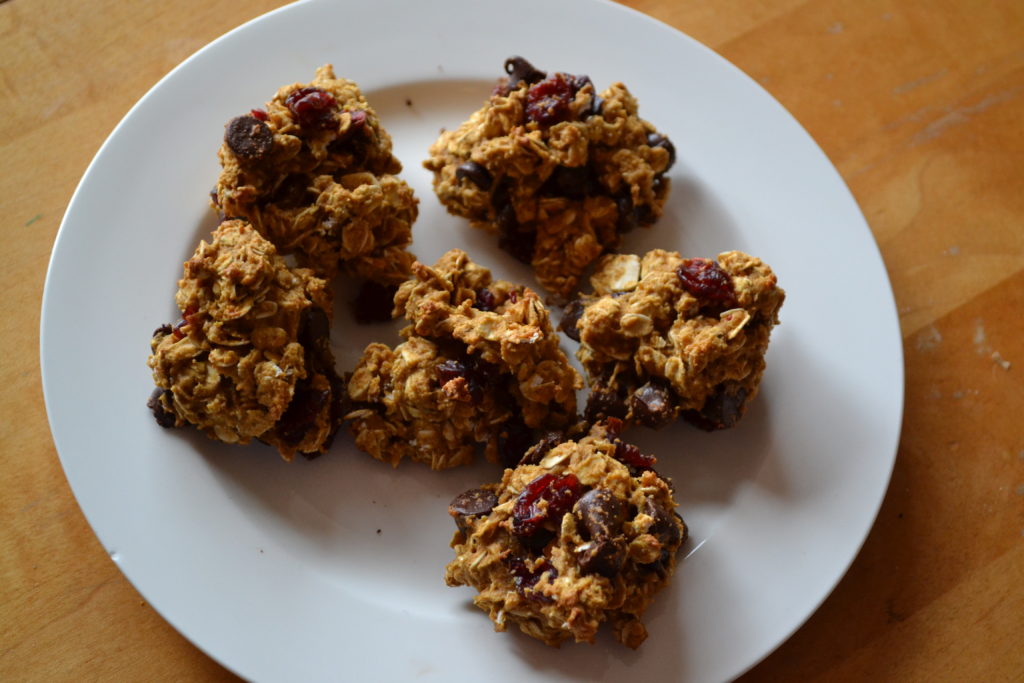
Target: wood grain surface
[(920, 105)]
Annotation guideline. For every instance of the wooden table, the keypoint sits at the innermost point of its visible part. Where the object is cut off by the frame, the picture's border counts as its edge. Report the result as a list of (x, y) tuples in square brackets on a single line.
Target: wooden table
[(921, 107)]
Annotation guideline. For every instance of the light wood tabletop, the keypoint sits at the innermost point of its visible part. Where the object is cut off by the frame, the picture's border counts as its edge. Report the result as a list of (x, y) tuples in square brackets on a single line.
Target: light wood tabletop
[(920, 105)]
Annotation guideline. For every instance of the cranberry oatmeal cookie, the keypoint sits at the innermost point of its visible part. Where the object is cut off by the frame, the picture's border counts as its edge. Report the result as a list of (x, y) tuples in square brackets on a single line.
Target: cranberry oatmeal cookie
[(664, 335), (250, 358), (314, 173), (480, 364), (556, 169), (578, 534)]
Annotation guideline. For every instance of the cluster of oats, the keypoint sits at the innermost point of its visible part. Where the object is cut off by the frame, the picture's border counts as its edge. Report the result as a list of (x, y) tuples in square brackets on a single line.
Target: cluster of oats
[(246, 360), (570, 539), (557, 170), (314, 173), (662, 335), (480, 365)]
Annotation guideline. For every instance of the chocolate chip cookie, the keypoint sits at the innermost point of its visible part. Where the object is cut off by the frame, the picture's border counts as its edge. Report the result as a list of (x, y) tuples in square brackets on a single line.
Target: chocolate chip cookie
[(582, 532), (663, 336), (480, 365), (251, 357), (556, 169)]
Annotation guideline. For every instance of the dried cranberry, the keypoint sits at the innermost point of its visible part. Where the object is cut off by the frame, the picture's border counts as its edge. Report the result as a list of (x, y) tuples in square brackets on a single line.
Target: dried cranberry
[(449, 370), (560, 494), (312, 107), (485, 300), (259, 114), (547, 102), (630, 455), (513, 297), (186, 319), (706, 280), (525, 579)]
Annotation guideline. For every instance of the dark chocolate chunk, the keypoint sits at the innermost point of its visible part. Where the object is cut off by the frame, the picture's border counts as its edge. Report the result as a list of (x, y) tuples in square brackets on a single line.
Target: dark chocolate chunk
[(164, 417), (604, 557), (374, 303), (571, 315), (721, 410), (600, 513), (475, 173), (472, 503), (248, 137), (653, 405), (518, 69)]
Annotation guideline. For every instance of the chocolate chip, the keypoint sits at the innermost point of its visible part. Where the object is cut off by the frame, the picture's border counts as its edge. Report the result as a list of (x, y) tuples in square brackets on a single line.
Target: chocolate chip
[(374, 303), (722, 409), (600, 513), (628, 219), (604, 402), (660, 140), (604, 557), (291, 192), (571, 315), (518, 69), (315, 337), (475, 173), (536, 453), (573, 182), (513, 441), (164, 417), (248, 137), (653, 405), (302, 413), (472, 503), (163, 330), (668, 526)]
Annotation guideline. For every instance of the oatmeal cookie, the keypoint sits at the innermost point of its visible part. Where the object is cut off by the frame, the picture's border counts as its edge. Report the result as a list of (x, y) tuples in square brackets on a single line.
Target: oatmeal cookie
[(250, 358), (480, 364), (664, 335), (578, 534), (558, 171), (314, 173)]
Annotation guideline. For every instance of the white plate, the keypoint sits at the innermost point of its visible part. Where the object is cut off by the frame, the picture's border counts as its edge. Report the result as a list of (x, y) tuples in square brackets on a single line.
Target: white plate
[(333, 569)]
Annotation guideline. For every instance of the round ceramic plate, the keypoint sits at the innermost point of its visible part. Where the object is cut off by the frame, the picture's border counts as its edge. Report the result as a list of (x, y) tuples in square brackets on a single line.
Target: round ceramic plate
[(333, 569)]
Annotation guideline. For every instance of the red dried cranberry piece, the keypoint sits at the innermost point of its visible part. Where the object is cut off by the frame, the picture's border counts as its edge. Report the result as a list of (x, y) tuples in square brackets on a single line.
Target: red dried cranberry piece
[(312, 107), (548, 102), (525, 579), (485, 300), (560, 494), (630, 455), (706, 280), (259, 114), (449, 370)]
